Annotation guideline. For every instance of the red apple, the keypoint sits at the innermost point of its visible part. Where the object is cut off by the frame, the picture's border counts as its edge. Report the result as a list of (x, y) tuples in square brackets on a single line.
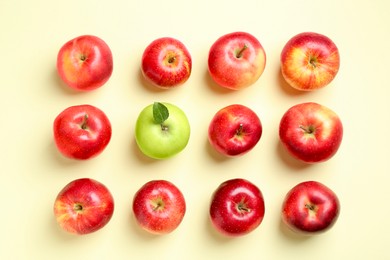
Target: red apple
[(83, 206), (234, 130), (166, 63), (159, 207), (81, 132), (309, 61), (311, 132), (310, 208), (237, 207), (85, 63), (236, 60)]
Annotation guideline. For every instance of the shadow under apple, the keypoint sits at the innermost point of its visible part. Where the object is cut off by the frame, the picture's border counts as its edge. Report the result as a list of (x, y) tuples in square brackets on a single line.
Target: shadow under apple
[(292, 235), (286, 88), (288, 159), (214, 87)]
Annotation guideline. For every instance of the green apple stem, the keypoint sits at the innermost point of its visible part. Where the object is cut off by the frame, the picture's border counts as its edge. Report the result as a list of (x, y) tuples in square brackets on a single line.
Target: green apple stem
[(239, 54), (164, 127)]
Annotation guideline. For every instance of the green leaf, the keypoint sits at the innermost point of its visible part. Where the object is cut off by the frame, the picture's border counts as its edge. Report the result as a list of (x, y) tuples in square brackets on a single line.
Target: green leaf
[(160, 112)]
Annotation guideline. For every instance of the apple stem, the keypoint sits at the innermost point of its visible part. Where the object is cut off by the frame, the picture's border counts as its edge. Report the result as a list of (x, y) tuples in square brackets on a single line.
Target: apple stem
[(310, 207), (239, 54), (313, 61), (239, 130), (83, 57), (308, 130), (171, 59), (242, 207), (78, 207), (84, 124), (164, 127)]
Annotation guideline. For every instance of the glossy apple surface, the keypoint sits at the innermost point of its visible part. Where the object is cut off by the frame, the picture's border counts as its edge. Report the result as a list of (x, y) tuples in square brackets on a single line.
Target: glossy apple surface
[(160, 138), (234, 130), (85, 63), (310, 208), (237, 207), (311, 132), (166, 63), (236, 60), (83, 206), (309, 61), (159, 207), (81, 132)]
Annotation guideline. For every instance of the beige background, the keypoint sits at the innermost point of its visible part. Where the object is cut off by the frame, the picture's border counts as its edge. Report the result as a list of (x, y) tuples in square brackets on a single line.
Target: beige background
[(33, 172)]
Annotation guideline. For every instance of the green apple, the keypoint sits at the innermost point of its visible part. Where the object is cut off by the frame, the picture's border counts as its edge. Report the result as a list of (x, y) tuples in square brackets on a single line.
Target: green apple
[(162, 130)]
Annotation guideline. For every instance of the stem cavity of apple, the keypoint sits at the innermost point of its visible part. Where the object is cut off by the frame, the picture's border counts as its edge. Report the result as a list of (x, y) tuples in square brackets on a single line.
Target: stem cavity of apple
[(308, 130), (160, 114), (239, 54), (312, 209), (243, 207), (313, 61), (171, 59), (83, 57), (240, 130), (158, 204), (78, 207)]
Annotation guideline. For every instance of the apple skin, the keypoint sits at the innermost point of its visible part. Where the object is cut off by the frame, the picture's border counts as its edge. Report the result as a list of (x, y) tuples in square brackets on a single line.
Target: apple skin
[(166, 63), (159, 207), (85, 63), (159, 142), (309, 61), (237, 207), (81, 132), (233, 66), (311, 132), (234, 130), (310, 208), (83, 206)]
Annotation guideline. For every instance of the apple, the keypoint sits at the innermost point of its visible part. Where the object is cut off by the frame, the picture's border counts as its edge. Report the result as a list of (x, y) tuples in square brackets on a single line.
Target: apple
[(166, 63), (236, 60), (81, 132), (85, 63), (310, 208), (234, 130), (159, 207), (83, 206), (237, 207), (162, 130), (309, 61), (311, 132)]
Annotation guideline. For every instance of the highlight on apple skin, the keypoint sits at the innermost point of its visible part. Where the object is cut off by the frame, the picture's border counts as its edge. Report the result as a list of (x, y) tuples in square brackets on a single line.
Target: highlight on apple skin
[(85, 63), (309, 61)]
